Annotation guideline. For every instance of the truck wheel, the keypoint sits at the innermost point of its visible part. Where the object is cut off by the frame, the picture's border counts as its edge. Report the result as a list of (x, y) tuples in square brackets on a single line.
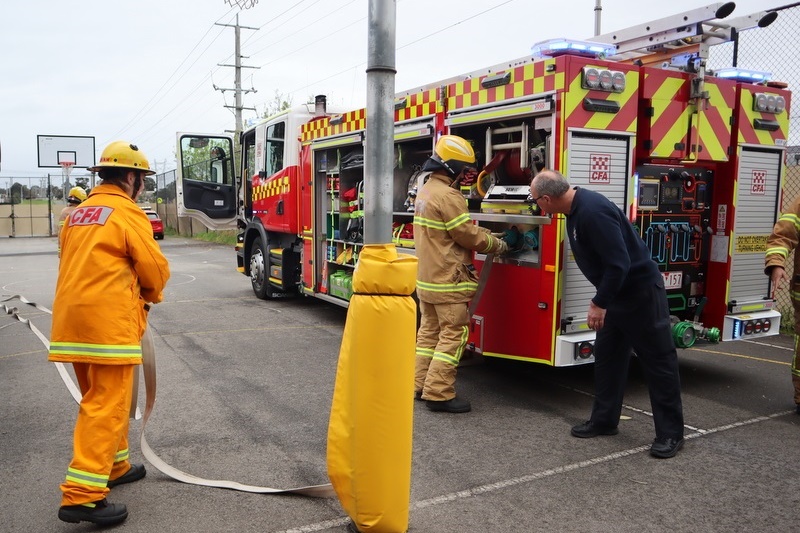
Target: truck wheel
[(258, 271)]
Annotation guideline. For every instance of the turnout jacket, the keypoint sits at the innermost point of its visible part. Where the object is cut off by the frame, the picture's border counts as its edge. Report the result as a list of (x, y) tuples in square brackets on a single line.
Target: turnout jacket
[(110, 268), (784, 238), (444, 239)]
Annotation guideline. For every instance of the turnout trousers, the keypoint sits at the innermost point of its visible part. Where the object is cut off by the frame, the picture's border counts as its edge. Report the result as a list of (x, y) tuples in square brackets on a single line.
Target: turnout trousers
[(796, 358), (100, 443), (640, 322), (441, 338)]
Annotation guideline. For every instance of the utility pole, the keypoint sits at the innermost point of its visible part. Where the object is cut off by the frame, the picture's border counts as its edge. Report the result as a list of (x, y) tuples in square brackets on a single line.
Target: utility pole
[(237, 76), (598, 8)]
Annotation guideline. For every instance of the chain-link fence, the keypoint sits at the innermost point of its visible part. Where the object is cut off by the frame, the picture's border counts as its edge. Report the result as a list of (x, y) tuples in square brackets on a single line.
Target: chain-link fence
[(774, 49), (30, 206)]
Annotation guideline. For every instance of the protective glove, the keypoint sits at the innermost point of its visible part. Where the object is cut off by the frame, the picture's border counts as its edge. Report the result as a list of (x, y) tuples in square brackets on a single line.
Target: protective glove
[(502, 248)]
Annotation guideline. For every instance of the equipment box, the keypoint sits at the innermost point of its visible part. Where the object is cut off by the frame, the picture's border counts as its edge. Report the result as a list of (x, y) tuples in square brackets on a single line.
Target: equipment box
[(341, 285)]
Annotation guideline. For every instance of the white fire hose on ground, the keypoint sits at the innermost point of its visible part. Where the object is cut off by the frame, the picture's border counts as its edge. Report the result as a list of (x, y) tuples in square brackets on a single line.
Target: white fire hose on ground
[(149, 366)]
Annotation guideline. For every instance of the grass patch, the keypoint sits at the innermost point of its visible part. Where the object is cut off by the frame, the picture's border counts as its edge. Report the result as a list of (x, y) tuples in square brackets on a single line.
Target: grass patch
[(219, 237), (787, 320)]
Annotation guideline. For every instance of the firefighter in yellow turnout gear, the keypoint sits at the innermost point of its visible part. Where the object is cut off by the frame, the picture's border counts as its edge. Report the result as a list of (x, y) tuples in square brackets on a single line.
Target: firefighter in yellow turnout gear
[(444, 239), (783, 240), (74, 198), (111, 268)]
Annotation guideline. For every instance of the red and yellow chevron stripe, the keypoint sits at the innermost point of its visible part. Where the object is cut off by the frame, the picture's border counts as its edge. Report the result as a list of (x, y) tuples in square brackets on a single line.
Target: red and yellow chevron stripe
[(421, 104), (272, 187), (712, 125), (529, 79), (668, 115), (747, 117), (575, 116), (346, 123)]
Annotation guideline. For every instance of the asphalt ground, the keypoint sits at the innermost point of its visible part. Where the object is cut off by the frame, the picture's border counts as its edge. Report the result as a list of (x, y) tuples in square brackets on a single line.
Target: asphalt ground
[(244, 393)]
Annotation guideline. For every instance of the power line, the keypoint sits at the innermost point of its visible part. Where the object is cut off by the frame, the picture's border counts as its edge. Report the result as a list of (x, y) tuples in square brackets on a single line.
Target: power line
[(455, 24), (348, 69), (152, 130), (142, 111)]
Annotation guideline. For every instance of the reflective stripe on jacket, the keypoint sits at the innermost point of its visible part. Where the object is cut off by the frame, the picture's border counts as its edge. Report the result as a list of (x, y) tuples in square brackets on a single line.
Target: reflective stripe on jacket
[(784, 238), (110, 267), (444, 238)]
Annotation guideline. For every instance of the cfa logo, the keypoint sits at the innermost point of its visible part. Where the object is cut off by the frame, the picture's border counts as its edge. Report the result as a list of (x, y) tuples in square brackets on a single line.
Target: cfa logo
[(758, 185), (600, 168), (86, 216)]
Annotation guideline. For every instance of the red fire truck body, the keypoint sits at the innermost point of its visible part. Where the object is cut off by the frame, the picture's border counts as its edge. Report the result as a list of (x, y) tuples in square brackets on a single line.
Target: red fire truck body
[(696, 161)]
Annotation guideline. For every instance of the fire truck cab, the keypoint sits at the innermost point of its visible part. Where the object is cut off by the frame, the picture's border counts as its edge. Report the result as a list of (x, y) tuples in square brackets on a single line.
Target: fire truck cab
[(694, 157)]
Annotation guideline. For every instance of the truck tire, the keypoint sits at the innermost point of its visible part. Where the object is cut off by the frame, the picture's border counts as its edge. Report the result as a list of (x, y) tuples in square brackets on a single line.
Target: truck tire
[(259, 275)]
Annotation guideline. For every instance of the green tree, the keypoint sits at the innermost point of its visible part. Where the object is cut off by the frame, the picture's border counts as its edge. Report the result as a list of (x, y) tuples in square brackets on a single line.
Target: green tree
[(16, 193), (280, 102)]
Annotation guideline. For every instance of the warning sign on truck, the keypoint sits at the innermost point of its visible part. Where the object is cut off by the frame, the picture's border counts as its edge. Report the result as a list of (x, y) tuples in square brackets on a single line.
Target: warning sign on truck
[(751, 244)]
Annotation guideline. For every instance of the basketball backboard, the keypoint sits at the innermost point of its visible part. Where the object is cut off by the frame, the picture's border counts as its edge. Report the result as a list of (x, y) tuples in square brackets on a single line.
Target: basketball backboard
[(55, 150)]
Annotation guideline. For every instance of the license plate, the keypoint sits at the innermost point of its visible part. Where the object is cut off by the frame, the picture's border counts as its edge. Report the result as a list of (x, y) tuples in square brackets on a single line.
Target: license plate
[(672, 280)]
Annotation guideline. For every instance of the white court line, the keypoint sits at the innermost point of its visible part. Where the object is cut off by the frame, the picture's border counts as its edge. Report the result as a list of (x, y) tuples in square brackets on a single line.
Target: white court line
[(788, 348), (629, 407), (173, 285), (500, 485)]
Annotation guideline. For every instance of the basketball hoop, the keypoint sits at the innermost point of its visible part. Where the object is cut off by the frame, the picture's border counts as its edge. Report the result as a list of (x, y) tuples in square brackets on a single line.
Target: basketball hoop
[(66, 168), (243, 4)]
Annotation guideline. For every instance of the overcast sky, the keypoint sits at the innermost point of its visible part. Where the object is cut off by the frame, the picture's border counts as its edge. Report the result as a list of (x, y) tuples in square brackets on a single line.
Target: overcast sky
[(142, 70)]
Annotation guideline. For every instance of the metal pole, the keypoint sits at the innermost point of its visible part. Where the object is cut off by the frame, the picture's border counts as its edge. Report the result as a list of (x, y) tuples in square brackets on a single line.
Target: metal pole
[(379, 151), (597, 10), (49, 205), (238, 78)]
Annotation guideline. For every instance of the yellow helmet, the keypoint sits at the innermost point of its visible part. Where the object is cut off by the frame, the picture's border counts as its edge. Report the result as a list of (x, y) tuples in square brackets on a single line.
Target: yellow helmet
[(121, 154), (452, 153), (76, 195)]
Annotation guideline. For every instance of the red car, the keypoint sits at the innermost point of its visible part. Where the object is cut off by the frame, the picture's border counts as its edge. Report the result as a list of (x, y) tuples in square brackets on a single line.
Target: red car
[(156, 222)]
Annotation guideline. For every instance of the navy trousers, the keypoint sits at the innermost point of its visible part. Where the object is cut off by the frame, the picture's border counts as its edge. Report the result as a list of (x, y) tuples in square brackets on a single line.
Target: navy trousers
[(639, 322)]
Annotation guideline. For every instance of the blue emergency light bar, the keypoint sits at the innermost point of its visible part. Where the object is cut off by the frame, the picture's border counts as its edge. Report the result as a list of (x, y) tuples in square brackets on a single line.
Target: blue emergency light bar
[(744, 75), (557, 47)]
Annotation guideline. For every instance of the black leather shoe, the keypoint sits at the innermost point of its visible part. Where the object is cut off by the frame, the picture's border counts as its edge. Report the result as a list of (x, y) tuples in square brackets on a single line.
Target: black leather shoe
[(589, 429), (135, 473), (456, 405), (418, 395), (666, 448), (102, 514)]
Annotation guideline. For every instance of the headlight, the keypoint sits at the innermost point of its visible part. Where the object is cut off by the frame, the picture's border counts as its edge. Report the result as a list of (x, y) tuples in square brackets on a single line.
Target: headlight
[(618, 81), (591, 78)]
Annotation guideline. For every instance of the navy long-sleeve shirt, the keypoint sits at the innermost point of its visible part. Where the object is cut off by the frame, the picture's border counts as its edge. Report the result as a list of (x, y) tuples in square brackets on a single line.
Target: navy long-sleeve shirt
[(611, 255)]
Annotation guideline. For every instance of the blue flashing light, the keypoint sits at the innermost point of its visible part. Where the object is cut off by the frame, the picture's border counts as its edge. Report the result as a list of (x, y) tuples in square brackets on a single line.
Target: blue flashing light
[(557, 47), (740, 74)]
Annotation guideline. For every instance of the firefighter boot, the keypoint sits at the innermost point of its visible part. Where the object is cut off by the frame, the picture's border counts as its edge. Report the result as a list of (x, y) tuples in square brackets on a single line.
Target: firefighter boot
[(135, 473), (456, 405), (101, 513)]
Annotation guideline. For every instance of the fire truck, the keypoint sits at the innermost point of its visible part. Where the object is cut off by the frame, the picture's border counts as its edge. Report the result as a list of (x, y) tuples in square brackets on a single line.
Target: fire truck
[(695, 158)]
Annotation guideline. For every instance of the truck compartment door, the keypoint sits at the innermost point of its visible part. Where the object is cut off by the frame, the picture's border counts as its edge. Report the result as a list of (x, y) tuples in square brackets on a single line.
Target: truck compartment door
[(206, 182), (756, 205)]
